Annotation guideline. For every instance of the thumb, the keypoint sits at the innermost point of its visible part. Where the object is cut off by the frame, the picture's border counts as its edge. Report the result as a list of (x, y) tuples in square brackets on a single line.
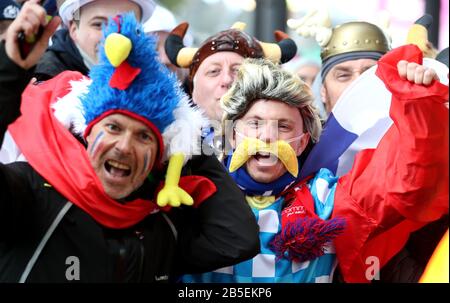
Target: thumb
[(42, 44), (50, 29)]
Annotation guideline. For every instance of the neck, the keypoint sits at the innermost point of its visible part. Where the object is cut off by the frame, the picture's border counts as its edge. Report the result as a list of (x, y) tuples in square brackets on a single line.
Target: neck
[(87, 60)]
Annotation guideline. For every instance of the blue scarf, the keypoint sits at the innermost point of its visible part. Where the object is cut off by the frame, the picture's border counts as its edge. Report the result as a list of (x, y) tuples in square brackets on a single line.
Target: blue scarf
[(253, 188)]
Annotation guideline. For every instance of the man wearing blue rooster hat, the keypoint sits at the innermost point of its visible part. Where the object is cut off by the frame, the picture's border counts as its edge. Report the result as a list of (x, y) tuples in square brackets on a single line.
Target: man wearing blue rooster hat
[(100, 211)]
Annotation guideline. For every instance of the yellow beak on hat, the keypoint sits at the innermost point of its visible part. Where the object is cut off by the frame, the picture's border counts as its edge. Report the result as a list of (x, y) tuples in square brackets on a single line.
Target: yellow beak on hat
[(117, 48)]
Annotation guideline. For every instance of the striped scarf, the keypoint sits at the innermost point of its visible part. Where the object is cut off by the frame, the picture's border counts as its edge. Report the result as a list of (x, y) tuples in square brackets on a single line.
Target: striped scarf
[(253, 188)]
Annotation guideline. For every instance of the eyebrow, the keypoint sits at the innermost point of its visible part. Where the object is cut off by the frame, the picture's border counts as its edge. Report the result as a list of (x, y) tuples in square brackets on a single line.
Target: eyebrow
[(99, 18), (220, 64), (279, 120), (111, 120), (342, 69)]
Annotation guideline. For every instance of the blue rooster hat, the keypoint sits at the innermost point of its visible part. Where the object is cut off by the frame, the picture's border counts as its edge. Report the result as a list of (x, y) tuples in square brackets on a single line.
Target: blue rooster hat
[(130, 79)]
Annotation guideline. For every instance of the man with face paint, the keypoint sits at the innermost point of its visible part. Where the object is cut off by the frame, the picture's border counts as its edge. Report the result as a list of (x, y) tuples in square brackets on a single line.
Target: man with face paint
[(308, 227), (78, 212)]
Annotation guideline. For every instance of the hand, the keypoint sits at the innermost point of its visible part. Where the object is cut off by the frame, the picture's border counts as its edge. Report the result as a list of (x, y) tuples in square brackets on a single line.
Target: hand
[(416, 73), (30, 18)]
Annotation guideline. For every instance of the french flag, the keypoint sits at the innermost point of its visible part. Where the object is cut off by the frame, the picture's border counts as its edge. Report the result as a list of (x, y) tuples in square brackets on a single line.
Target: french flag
[(358, 121), (393, 134)]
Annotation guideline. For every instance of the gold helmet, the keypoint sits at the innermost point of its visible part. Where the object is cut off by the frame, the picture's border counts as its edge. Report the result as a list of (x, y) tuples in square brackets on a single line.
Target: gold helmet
[(348, 41), (352, 41), (355, 37)]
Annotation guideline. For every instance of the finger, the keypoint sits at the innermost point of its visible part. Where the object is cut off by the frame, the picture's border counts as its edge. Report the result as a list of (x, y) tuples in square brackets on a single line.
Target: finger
[(410, 71), (42, 44), (50, 29), (418, 75), (32, 8), (429, 76), (29, 29), (401, 68)]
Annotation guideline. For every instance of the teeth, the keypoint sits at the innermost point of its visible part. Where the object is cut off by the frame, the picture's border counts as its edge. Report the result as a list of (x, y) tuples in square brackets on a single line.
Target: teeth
[(264, 154), (118, 165)]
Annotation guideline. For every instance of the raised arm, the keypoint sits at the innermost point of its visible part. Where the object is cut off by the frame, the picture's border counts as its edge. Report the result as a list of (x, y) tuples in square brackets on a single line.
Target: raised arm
[(15, 195), (14, 74), (403, 183)]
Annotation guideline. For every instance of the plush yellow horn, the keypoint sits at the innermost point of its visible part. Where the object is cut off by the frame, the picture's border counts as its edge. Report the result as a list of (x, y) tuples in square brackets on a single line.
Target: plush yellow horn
[(239, 25), (271, 51), (176, 51), (185, 56), (418, 35)]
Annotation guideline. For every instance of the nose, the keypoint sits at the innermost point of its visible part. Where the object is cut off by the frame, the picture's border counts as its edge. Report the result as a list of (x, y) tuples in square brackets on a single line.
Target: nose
[(268, 132), (227, 79), (124, 144)]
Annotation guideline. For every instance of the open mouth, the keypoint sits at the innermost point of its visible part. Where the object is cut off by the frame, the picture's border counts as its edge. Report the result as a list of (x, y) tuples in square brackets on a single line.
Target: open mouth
[(266, 158), (117, 169)]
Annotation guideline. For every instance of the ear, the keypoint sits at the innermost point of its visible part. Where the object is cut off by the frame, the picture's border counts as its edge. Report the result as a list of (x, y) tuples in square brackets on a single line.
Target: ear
[(323, 94), (73, 31), (233, 140), (303, 143)]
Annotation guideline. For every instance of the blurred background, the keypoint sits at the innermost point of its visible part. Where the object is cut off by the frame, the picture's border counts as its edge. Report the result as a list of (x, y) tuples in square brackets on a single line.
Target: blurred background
[(207, 17)]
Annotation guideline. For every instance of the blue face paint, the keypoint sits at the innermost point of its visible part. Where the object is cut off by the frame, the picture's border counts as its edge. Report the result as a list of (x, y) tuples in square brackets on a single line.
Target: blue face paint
[(100, 134), (145, 163)]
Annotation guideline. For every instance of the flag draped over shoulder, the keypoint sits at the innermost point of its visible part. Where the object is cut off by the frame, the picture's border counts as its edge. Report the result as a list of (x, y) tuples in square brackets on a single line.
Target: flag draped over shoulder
[(401, 185), (358, 121)]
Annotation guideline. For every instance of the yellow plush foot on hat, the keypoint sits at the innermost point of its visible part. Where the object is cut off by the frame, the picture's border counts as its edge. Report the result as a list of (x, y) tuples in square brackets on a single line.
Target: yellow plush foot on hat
[(172, 194)]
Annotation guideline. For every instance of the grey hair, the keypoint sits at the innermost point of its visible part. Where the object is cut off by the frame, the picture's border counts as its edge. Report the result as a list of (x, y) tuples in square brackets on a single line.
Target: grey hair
[(262, 79)]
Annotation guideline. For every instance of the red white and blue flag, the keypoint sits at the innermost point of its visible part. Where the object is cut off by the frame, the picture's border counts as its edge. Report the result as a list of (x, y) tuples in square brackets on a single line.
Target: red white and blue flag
[(387, 138)]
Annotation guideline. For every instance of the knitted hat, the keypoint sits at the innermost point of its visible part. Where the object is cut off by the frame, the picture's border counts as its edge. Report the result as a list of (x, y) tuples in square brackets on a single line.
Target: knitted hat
[(69, 7)]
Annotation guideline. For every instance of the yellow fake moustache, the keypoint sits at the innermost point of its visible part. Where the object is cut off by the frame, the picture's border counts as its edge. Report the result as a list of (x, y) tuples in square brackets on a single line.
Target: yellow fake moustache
[(251, 146)]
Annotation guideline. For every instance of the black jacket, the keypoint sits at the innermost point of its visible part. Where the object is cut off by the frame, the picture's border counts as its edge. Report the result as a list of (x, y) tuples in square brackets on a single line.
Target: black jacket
[(220, 232), (62, 55)]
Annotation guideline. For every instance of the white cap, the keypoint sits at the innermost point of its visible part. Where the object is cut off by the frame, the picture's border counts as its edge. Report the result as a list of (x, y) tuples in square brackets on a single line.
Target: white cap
[(69, 7), (161, 20)]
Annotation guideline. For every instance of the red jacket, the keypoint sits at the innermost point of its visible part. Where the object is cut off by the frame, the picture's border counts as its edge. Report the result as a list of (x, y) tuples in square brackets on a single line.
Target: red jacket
[(401, 185)]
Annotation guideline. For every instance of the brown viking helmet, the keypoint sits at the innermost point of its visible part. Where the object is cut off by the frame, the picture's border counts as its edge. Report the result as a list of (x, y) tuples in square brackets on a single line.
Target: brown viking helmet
[(232, 40)]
